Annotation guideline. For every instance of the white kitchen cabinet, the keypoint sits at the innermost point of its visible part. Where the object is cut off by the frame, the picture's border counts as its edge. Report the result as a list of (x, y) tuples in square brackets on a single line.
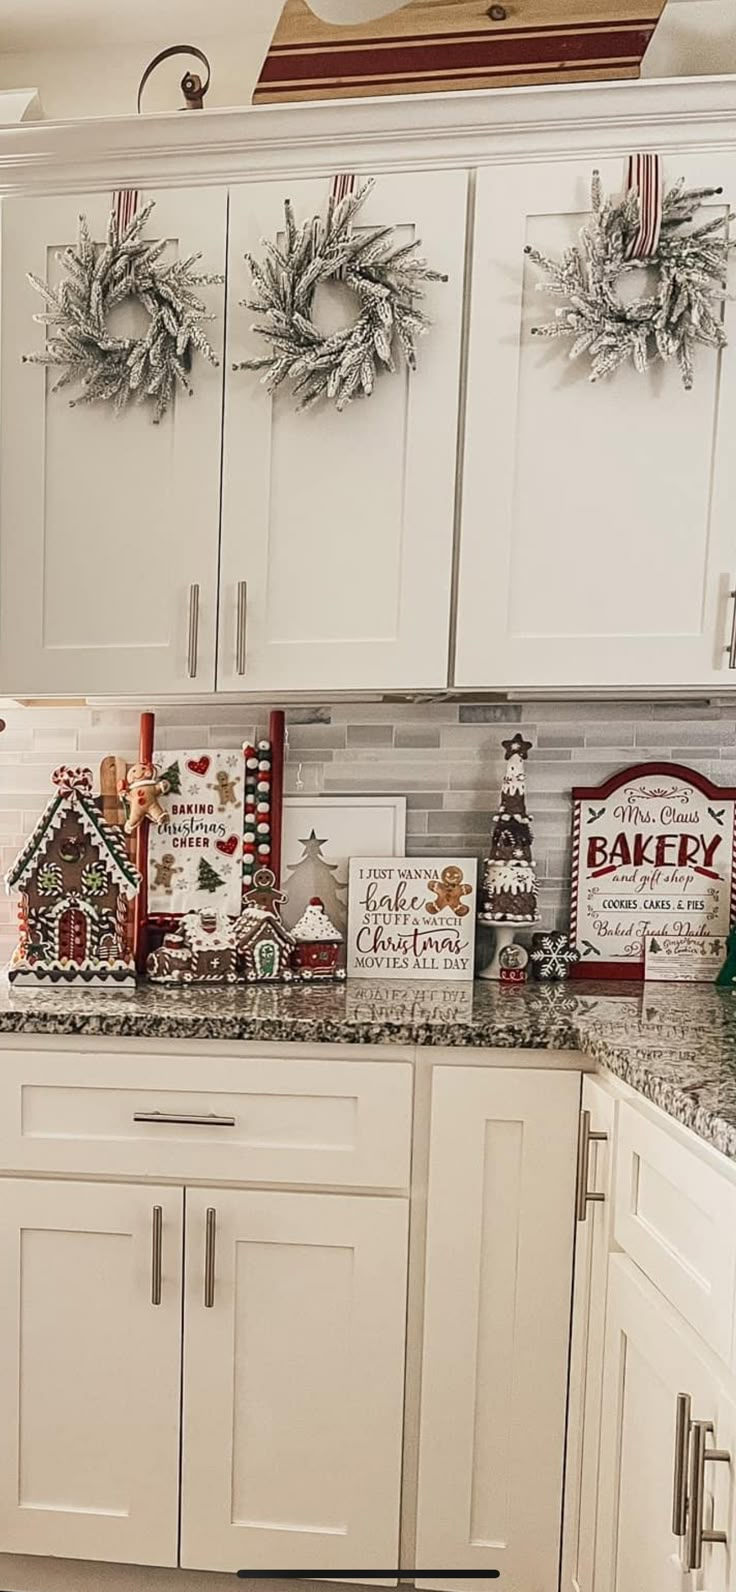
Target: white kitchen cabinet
[(597, 529), (90, 1371), (587, 1339), (337, 529), (110, 524), (293, 1381), (497, 1323), (651, 1357)]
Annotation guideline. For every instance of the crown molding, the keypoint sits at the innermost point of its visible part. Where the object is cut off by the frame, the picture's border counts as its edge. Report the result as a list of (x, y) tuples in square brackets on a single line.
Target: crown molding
[(418, 131)]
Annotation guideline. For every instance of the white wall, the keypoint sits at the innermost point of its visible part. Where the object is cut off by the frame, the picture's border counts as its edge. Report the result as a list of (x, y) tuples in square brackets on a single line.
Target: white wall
[(694, 37)]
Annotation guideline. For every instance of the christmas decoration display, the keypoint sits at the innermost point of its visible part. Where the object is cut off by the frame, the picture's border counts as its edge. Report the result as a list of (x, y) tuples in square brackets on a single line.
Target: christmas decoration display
[(653, 854), (508, 892), (257, 840), (385, 275), (140, 790), (552, 956), (429, 46), (317, 943), (195, 858), (76, 885), (403, 918), (265, 947), (513, 964), (682, 311), (100, 277), (313, 876), (200, 950)]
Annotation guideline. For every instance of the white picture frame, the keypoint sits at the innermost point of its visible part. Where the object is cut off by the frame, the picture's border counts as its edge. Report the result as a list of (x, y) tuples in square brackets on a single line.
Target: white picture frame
[(351, 826)]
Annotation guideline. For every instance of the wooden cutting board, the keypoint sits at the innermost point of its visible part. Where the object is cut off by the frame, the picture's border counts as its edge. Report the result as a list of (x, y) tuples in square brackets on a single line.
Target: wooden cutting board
[(433, 45)]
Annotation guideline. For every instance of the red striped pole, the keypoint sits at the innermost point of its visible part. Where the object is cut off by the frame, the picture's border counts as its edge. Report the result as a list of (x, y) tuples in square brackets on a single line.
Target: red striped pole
[(140, 908), (277, 735)]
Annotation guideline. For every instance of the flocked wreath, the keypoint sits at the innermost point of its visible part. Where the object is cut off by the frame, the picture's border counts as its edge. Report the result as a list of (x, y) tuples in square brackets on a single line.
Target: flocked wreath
[(385, 276), (684, 308), (98, 277)]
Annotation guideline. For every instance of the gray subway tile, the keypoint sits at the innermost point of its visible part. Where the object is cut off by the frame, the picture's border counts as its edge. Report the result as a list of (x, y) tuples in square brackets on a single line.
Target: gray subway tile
[(370, 735)]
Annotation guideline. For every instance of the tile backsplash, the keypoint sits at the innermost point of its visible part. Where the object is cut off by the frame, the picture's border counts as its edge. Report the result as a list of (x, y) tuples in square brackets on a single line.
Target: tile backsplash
[(445, 757)]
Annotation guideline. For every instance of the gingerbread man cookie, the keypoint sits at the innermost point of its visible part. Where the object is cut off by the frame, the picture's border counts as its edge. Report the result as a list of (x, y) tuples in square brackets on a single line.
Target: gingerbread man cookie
[(448, 891), (225, 787), (141, 789), (166, 867)]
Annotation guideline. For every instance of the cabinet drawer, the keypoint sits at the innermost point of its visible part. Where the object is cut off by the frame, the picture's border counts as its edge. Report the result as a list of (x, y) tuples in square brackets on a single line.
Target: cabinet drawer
[(676, 1218), (238, 1120)]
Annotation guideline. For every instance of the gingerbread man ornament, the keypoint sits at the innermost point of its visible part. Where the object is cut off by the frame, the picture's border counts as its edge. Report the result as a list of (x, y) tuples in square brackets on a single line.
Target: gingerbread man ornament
[(141, 789)]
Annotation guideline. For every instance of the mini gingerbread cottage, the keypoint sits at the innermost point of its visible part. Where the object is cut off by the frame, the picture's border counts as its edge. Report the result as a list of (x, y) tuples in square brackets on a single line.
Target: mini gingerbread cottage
[(318, 943), (201, 950), (265, 947), (76, 883)]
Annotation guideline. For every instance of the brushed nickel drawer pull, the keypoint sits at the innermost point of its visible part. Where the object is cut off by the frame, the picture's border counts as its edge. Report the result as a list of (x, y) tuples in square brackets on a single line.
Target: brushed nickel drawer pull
[(185, 1119), (157, 1248), (700, 1456), (586, 1137), (241, 628), (209, 1258), (193, 637), (682, 1448)]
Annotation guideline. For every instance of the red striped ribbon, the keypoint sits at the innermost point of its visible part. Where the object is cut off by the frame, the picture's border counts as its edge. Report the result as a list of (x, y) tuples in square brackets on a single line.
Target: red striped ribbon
[(644, 174), (125, 203)]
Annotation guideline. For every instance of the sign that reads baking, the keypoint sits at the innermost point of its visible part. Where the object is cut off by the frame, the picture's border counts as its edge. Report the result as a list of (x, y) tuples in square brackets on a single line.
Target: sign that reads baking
[(653, 854), (412, 917)]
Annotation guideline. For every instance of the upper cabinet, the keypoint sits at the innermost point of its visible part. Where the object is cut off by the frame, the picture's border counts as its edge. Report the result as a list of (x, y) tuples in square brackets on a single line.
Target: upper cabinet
[(337, 528), (109, 547), (598, 545)]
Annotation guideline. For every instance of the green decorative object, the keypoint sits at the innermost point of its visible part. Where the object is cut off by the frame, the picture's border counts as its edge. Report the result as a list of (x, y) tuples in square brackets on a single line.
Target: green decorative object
[(208, 878), (50, 879), (385, 276), (727, 977), (98, 277), (690, 269), (171, 777)]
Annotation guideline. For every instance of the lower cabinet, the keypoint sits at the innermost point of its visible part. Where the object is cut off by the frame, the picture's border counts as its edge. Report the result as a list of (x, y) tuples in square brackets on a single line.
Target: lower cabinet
[(295, 1309), (90, 1370), (497, 1322), (651, 1358), (594, 1213)]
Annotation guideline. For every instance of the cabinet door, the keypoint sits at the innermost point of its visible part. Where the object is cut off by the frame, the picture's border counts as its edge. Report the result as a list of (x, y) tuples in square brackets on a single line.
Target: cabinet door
[(341, 525), (597, 532), (497, 1324), (586, 1355), (89, 1371), (293, 1382), (650, 1357), (110, 524)]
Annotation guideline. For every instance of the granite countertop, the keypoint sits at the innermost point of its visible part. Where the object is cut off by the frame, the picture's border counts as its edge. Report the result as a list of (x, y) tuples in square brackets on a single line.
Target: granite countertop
[(675, 1044)]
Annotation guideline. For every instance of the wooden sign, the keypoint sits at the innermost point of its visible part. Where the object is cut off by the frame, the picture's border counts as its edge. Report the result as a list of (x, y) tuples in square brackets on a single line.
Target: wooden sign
[(653, 854), (432, 45), (412, 917)]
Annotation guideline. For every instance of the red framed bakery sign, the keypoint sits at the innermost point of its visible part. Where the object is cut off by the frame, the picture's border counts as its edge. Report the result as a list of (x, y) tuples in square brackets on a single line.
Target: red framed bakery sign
[(653, 853)]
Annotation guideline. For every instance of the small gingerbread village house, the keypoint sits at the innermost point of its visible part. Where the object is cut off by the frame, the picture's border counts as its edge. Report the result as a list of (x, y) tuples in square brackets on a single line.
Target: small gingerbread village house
[(76, 883), (265, 946), (201, 950)]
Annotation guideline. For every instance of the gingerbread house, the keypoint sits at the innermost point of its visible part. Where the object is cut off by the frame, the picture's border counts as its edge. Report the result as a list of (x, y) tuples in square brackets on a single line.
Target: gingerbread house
[(201, 950), (76, 883), (318, 943)]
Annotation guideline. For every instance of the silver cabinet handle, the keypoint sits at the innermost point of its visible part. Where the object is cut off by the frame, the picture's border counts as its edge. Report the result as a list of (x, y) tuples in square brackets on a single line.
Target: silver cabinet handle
[(700, 1456), (157, 1250), (241, 627), (585, 1138), (193, 634), (682, 1449), (731, 648), (209, 1258), (186, 1119)]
